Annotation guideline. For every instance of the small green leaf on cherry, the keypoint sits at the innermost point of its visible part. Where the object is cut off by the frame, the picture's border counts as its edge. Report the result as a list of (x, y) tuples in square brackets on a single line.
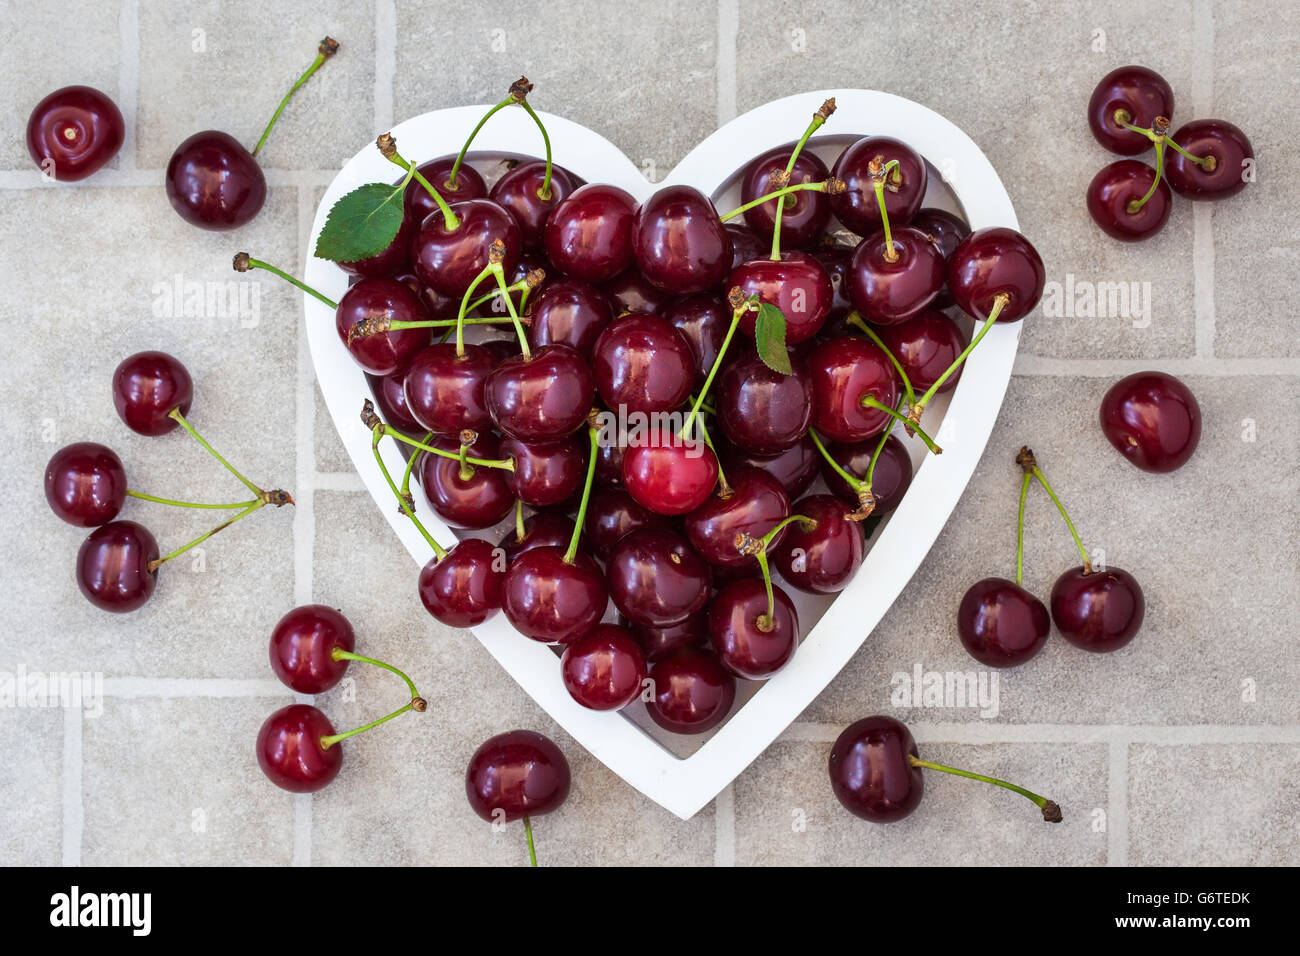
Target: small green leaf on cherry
[(362, 224), (769, 337)]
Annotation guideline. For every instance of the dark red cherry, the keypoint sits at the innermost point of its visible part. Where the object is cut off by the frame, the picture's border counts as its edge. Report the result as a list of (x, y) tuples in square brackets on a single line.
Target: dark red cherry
[(905, 184), (668, 474), (113, 566), (610, 449), (886, 292), (449, 260), (946, 230), (692, 692), (1001, 624), (821, 559), (444, 391), (660, 642), (546, 473), (757, 503), (835, 258), (761, 410), (797, 284), (679, 243), (890, 481), (1099, 611), (569, 312), (926, 345), (656, 579), (146, 387), (85, 484), (419, 205), (631, 291), (479, 498), (589, 235), (542, 397), (464, 587), (385, 352), (844, 371), (546, 529), (390, 395), (870, 773), (394, 259), (516, 774), (796, 467), (1115, 189), (520, 192), (551, 601), (604, 668), (302, 645), (1139, 93), (703, 319), (748, 643), (992, 261), (213, 182), (1232, 154), (804, 215), (290, 753), (73, 132), (612, 514), (1153, 420), (746, 244), (641, 363)]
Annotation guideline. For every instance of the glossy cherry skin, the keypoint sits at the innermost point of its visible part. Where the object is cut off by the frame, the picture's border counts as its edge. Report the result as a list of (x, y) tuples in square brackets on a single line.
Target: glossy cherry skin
[(660, 642), (886, 292), (761, 410), (113, 566), (1115, 187), (926, 345), (569, 312), (386, 352), (449, 260), (516, 774), (703, 319), (604, 668), (546, 529), (946, 230), (464, 588), (835, 257), (444, 391), (1001, 624), (146, 387), (390, 396), (844, 371), (393, 259), (519, 192), (668, 474), (289, 749), (610, 449), (1098, 612), (857, 207), (641, 363), (656, 579), (804, 215), (1153, 420), (692, 692), (73, 132), (797, 284), (302, 644), (679, 243), (795, 468), (870, 773), (822, 559), (85, 484), (737, 634), (553, 602), (419, 205), (612, 514), (213, 182), (1140, 92), (890, 481), (543, 397), (588, 236), (478, 501), (547, 473), (1220, 139), (746, 244), (992, 261), (756, 505), (630, 291)]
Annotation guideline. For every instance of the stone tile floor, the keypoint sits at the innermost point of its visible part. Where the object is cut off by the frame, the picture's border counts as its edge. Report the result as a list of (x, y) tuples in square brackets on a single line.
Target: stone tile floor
[(1138, 746)]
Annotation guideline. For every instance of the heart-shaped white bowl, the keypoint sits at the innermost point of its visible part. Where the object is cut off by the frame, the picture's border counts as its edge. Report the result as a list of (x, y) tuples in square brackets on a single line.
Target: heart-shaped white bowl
[(682, 774)]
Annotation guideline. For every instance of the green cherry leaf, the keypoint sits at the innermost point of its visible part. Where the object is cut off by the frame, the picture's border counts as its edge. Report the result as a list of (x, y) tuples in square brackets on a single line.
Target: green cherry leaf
[(362, 224), (769, 336)]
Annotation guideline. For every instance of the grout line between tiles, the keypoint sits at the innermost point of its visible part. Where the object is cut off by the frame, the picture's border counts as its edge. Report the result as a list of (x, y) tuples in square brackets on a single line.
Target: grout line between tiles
[(983, 733), (385, 63), (724, 826), (1037, 365), (128, 80), (1203, 212), (74, 809), (127, 688), (1117, 803), (337, 481), (725, 65)]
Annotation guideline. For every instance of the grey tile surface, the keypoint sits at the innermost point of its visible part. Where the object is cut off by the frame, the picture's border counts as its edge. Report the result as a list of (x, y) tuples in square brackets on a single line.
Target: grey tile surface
[(32, 739)]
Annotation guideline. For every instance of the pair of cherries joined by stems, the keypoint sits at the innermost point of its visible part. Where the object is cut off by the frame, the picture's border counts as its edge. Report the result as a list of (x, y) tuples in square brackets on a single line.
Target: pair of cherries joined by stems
[(1129, 112), (86, 486)]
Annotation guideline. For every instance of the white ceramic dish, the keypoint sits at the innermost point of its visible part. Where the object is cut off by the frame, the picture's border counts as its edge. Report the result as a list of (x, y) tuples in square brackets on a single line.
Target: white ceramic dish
[(684, 773)]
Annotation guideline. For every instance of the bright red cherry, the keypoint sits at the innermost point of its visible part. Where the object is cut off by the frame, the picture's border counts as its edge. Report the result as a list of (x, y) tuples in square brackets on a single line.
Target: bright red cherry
[(1135, 95), (797, 284), (302, 645), (515, 775), (668, 474), (886, 289), (73, 132), (113, 566), (641, 363), (147, 387), (383, 353), (588, 236), (213, 182), (995, 261), (761, 410), (804, 214), (520, 192), (290, 752), (656, 579), (890, 481), (470, 496), (748, 642), (1098, 611), (569, 312), (905, 184), (1153, 420), (844, 372), (552, 601), (679, 242), (449, 260), (1000, 623), (823, 558), (1231, 154), (870, 772), (604, 668), (692, 692), (464, 587), (85, 484), (543, 396), (444, 391), (1114, 192), (926, 345), (755, 505)]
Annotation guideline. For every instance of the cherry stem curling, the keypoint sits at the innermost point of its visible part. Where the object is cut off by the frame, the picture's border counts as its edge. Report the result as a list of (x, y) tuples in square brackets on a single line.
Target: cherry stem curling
[(819, 118), (880, 447), (571, 554), (1026, 460), (243, 262), (416, 703), (328, 47), (498, 270), (914, 413), (388, 147)]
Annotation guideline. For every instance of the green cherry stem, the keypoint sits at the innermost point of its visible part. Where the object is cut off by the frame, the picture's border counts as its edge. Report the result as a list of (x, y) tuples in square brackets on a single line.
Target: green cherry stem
[(870, 401), (410, 466), (188, 504), (880, 447), (1051, 810), (878, 174), (1020, 529), (543, 191), (328, 47), (464, 307), (856, 320), (416, 703), (866, 500), (1122, 118), (388, 147), (519, 91), (404, 497), (532, 850), (498, 270), (1025, 459), (914, 413), (157, 563), (854, 483), (1134, 207), (739, 306), (572, 553), (243, 262), (373, 421), (519, 521), (175, 415), (724, 489), (757, 549), (831, 186), (819, 118)]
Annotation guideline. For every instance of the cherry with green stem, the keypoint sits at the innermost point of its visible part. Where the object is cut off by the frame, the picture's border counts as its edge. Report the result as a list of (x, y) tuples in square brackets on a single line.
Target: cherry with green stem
[(387, 146), (243, 262), (830, 187), (856, 320), (518, 94), (757, 549), (739, 306), (819, 119), (328, 47), (517, 775), (916, 408), (866, 500), (1159, 135), (373, 421)]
